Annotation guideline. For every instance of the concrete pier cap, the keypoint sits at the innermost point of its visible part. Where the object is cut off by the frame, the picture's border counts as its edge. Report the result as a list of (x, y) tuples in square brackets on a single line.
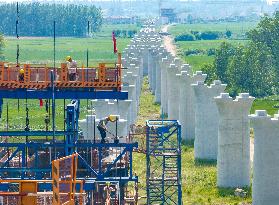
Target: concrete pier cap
[(266, 158), (206, 119), (233, 161)]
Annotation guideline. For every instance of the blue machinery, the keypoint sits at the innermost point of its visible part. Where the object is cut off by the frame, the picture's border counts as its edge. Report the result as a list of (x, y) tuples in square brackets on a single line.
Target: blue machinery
[(56, 148), (163, 160)]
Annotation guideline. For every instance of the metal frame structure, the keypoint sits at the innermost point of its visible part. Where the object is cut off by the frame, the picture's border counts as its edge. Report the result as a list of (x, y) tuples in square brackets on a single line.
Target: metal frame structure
[(57, 148), (163, 161)]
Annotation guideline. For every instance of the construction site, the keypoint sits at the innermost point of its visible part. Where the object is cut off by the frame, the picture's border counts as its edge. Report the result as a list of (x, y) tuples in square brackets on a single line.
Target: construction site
[(90, 159)]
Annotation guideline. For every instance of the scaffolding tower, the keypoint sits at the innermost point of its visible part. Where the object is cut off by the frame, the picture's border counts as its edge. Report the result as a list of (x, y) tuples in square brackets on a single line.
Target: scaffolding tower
[(163, 160)]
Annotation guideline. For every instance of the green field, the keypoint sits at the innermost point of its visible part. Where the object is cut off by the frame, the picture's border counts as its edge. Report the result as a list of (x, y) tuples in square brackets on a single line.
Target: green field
[(40, 50), (237, 28), (197, 61)]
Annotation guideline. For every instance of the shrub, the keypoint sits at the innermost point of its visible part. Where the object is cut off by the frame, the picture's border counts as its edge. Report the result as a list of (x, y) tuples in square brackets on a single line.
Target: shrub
[(228, 34), (193, 52), (211, 52), (184, 37), (210, 35)]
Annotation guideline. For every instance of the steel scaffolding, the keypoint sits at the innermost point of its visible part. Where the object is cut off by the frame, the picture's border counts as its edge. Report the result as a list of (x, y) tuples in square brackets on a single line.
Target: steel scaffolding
[(163, 161)]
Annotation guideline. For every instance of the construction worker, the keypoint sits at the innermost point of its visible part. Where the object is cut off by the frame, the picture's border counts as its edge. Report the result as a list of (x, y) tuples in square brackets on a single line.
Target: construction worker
[(21, 75), (102, 126), (72, 68)]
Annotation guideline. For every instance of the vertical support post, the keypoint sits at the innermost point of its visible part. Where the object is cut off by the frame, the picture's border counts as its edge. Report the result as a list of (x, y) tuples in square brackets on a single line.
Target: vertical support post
[(82, 75), (54, 49), (2, 70), (26, 74), (23, 159), (179, 165), (64, 72), (102, 73), (147, 164), (119, 67), (55, 182)]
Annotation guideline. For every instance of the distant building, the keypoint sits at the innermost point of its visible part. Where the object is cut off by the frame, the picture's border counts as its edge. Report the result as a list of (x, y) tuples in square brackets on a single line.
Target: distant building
[(121, 19), (167, 15)]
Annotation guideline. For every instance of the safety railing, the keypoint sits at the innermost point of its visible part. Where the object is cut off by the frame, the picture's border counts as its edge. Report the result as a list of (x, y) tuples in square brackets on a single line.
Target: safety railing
[(33, 76)]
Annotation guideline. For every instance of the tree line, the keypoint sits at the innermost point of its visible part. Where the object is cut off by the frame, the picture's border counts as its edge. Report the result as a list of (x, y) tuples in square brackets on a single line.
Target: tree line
[(36, 19), (253, 67), (206, 35)]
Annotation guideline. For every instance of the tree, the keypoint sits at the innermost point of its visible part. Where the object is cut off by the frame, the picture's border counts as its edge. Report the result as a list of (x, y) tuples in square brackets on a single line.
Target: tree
[(209, 35), (210, 70), (252, 70), (266, 33), (184, 37), (228, 33), (36, 19), (221, 61)]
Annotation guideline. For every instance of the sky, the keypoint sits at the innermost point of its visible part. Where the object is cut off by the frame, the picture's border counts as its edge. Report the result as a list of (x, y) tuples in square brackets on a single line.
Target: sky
[(8, 1)]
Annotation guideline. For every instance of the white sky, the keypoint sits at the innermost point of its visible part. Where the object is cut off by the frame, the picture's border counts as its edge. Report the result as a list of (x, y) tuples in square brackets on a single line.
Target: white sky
[(8, 1)]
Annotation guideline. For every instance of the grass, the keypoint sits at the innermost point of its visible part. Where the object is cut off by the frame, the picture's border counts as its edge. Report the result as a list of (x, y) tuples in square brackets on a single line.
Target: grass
[(270, 104), (40, 50), (197, 62), (198, 177)]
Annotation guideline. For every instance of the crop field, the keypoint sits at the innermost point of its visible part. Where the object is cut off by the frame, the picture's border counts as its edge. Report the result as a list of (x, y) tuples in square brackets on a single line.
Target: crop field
[(238, 32), (40, 50), (237, 28)]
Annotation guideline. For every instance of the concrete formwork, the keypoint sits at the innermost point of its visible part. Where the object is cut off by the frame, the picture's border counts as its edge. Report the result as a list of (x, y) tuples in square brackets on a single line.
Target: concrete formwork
[(265, 188), (187, 103), (89, 129), (207, 119), (124, 109), (233, 161), (101, 108)]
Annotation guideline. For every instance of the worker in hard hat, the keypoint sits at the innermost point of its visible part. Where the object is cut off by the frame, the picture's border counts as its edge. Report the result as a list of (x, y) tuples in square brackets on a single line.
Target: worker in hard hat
[(72, 68), (102, 126), (21, 75)]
